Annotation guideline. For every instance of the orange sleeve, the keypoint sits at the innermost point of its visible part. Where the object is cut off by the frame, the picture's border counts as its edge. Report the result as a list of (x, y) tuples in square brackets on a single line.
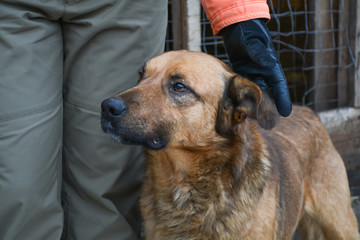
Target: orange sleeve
[(222, 13)]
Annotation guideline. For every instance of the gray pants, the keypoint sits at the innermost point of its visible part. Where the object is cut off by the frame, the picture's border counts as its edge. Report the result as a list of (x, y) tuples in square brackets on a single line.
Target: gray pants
[(58, 61)]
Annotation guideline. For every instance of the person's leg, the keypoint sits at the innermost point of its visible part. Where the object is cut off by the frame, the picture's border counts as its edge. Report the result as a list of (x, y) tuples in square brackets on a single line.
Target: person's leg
[(106, 42), (31, 73)]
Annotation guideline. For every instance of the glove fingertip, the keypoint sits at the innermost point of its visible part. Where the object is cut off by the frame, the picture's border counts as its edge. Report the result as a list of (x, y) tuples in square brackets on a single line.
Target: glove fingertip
[(284, 108)]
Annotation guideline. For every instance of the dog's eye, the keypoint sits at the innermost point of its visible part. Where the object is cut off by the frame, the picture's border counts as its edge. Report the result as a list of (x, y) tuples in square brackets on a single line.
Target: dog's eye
[(179, 87)]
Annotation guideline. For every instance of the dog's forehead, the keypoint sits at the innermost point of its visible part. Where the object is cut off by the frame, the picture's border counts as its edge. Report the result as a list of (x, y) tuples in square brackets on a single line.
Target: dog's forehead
[(189, 65)]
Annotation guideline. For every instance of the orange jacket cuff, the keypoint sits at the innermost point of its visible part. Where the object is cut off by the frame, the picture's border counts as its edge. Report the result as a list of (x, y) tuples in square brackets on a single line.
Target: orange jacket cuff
[(222, 13)]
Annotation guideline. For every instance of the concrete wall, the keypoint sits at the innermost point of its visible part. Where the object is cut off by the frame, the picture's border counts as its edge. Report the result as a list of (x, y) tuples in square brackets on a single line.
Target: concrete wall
[(343, 125)]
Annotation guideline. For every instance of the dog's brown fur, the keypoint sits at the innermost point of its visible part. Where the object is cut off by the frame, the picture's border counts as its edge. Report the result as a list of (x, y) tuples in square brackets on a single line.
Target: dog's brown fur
[(214, 173)]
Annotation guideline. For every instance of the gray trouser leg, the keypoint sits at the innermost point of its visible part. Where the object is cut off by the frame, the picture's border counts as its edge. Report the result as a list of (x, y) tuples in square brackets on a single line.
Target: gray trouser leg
[(104, 49), (105, 42), (31, 74)]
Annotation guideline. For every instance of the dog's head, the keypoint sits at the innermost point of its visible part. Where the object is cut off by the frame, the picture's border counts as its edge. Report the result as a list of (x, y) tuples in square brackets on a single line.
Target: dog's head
[(184, 99)]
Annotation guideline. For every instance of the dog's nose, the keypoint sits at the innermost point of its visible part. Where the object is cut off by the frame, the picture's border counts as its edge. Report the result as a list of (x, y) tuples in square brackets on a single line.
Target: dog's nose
[(113, 107)]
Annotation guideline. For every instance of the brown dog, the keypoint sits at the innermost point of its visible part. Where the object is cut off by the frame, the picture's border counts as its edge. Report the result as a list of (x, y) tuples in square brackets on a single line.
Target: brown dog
[(213, 173)]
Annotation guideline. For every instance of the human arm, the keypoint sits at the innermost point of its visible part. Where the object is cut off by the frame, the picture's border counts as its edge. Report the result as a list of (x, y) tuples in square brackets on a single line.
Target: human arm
[(249, 45)]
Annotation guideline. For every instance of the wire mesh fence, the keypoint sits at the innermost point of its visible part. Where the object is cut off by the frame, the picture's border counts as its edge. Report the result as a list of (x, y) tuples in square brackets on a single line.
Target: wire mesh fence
[(311, 38)]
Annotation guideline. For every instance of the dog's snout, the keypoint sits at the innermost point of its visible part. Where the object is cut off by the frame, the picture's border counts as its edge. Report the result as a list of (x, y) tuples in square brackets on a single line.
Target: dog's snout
[(113, 107)]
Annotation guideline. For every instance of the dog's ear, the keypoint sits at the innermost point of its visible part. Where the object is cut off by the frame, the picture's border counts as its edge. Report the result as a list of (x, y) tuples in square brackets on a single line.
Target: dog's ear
[(243, 99)]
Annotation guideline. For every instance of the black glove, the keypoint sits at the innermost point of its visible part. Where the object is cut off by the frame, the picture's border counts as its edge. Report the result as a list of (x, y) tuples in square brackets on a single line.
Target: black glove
[(252, 55)]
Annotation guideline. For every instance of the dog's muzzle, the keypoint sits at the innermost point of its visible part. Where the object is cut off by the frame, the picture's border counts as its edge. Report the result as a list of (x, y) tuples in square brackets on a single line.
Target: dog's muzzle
[(113, 110)]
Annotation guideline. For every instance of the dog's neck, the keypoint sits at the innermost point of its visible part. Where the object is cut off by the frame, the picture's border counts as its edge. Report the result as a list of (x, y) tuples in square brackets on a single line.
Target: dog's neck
[(233, 164), (187, 184)]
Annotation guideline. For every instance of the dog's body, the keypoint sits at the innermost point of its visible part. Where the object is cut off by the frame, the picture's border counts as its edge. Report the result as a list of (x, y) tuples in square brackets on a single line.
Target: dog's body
[(213, 173)]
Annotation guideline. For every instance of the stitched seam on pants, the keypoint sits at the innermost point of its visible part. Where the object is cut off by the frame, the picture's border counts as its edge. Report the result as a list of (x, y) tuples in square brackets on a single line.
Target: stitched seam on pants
[(28, 113), (66, 204)]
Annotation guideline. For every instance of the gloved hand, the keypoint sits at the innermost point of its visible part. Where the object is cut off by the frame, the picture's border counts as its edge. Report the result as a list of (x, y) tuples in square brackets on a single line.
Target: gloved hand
[(252, 55)]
